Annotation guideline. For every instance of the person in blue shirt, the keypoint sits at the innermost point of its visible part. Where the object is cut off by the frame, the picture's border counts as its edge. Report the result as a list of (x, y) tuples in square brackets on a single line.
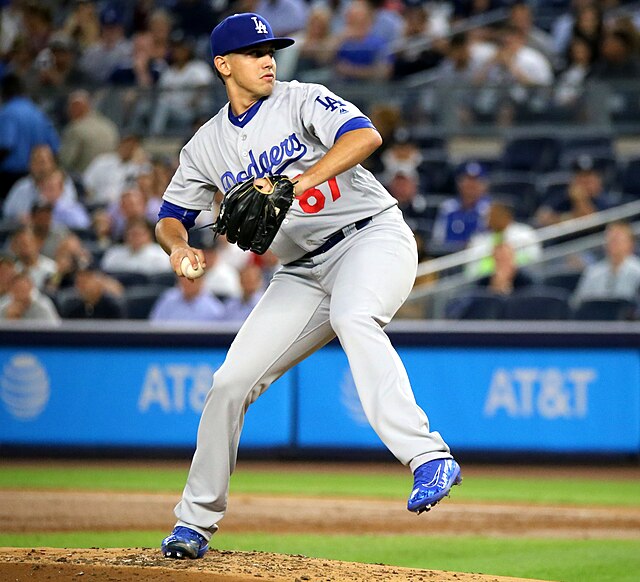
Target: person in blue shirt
[(23, 125), (463, 216), (187, 302)]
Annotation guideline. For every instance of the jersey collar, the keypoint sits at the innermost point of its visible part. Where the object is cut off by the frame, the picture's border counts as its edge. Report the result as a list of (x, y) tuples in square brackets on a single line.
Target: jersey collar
[(244, 118)]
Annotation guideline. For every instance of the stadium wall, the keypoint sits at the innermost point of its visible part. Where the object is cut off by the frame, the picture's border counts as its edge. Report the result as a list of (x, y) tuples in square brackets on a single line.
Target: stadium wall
[(537, 387)]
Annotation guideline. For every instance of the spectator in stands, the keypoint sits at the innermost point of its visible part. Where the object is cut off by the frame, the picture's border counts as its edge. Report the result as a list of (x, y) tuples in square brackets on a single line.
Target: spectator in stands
[(589, 27), (565, 27), (57, 65), (69, 213), (502, 228), (8, 271), (71, 255), (288, 16), (404, 185), (94, 300), (465, 60), (618, 59), (131, 206), (252, 284), (83, 24), (388, 23), (361, 55), (318, 44), (416, 56), (521, 17), (109, 174), (138, 254), (11, 23), (183, 88), (24, 246), (49, 234), (516, 68), (570, 83), (585, 195), (461, 217), (102, 228), (23, 125), (189, 302), (507, 275), (87, 135), (617, 276), (100, 59), (23, 301), (401, 153), (38, 25), (387, 119), (26, 191)]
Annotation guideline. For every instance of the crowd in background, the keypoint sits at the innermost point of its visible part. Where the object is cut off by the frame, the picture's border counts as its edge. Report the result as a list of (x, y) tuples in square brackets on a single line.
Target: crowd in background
[(80, 190)]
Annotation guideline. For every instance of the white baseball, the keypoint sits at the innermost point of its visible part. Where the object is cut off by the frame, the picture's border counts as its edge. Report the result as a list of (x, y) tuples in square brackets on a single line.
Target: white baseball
[(189, 271)]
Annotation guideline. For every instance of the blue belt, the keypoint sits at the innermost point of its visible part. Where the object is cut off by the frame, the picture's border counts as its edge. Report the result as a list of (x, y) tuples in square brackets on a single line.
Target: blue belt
[(336, 237)]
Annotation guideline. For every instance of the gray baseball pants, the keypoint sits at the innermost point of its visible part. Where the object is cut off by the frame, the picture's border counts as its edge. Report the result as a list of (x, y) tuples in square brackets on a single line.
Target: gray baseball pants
[(352, 291)]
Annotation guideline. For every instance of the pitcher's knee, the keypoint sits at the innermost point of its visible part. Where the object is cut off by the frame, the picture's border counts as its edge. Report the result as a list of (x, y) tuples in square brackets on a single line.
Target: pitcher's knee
[(353, 320)]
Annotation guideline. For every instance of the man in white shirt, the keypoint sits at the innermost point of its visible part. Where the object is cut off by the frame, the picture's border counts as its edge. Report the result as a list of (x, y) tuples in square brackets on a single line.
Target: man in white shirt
[(515, 68), (617, 276), (25, 248), (182, 89), (139, 254), (109, 174)]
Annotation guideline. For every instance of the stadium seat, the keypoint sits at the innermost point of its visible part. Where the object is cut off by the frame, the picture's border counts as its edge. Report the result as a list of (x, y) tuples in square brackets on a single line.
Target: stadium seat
[(630, 178), (129, 278), (538, 303), (436, 175), (140, 300), (566, 279), (518, 189), (605, 310), (162, 279), (477, 304), (531, 154)]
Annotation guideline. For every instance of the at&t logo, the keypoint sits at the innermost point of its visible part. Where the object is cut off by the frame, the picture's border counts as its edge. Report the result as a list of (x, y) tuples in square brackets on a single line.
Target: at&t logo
[(24, 386)]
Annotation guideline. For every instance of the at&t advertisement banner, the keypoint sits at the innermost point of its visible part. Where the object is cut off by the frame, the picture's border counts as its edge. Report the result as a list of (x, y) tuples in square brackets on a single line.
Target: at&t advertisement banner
[(560, 400)]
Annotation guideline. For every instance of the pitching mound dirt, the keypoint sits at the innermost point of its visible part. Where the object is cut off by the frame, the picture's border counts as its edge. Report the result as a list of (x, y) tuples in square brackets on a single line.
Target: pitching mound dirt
[(146, 565)]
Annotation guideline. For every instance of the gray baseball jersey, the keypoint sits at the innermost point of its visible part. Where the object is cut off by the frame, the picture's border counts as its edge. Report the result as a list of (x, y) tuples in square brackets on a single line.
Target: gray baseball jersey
[(284, 134)]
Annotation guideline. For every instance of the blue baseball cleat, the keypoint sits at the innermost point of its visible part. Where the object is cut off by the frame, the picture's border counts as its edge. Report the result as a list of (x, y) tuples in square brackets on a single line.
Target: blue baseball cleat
[(432, 481), (184, 543)]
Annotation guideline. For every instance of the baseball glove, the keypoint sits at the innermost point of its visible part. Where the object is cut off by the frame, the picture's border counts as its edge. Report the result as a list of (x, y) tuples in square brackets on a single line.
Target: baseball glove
[(250, 216)]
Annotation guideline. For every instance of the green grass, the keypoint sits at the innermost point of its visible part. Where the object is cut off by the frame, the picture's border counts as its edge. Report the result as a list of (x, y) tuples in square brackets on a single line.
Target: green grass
[(579, 491), (550, 559)]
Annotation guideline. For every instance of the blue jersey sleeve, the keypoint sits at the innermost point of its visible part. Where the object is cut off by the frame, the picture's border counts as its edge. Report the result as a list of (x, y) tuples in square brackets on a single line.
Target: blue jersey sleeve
[(185, 215), (355, 123)]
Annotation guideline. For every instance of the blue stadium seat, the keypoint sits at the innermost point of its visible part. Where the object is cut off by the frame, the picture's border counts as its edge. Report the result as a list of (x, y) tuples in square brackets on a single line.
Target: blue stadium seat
[(630, 178), (538, 303), (564, 279), (531, 154), (139, 300), (477, 304), (605, 310)]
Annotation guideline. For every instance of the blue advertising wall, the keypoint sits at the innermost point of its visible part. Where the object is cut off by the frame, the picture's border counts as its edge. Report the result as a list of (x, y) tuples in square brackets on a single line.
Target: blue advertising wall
[(555, 399)]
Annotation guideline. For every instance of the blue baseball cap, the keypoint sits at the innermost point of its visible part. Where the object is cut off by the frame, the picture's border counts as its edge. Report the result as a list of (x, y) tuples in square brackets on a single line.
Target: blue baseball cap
[(472, 169), (244, 30)]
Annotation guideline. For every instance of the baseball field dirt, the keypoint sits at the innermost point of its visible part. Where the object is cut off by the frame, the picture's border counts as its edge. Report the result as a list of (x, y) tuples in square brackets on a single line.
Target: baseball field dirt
[(51, 510)]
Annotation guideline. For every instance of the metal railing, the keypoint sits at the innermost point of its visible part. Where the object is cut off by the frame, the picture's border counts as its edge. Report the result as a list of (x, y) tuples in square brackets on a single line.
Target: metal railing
[(445, 275)]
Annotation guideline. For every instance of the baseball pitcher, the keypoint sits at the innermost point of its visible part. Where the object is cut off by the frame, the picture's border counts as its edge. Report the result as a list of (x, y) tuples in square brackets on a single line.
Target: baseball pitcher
[(348, 263)]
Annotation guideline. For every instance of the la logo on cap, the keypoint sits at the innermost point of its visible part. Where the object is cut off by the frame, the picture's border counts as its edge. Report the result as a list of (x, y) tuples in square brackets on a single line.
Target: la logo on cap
[(261, 27)]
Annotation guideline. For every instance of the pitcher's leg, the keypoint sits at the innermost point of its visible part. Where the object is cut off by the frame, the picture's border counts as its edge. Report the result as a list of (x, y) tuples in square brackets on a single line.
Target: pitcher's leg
[(374, 278), (289, 323)]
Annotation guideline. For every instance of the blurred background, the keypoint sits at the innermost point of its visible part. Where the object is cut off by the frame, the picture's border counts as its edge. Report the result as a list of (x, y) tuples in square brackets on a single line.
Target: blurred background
[(511, 142)]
